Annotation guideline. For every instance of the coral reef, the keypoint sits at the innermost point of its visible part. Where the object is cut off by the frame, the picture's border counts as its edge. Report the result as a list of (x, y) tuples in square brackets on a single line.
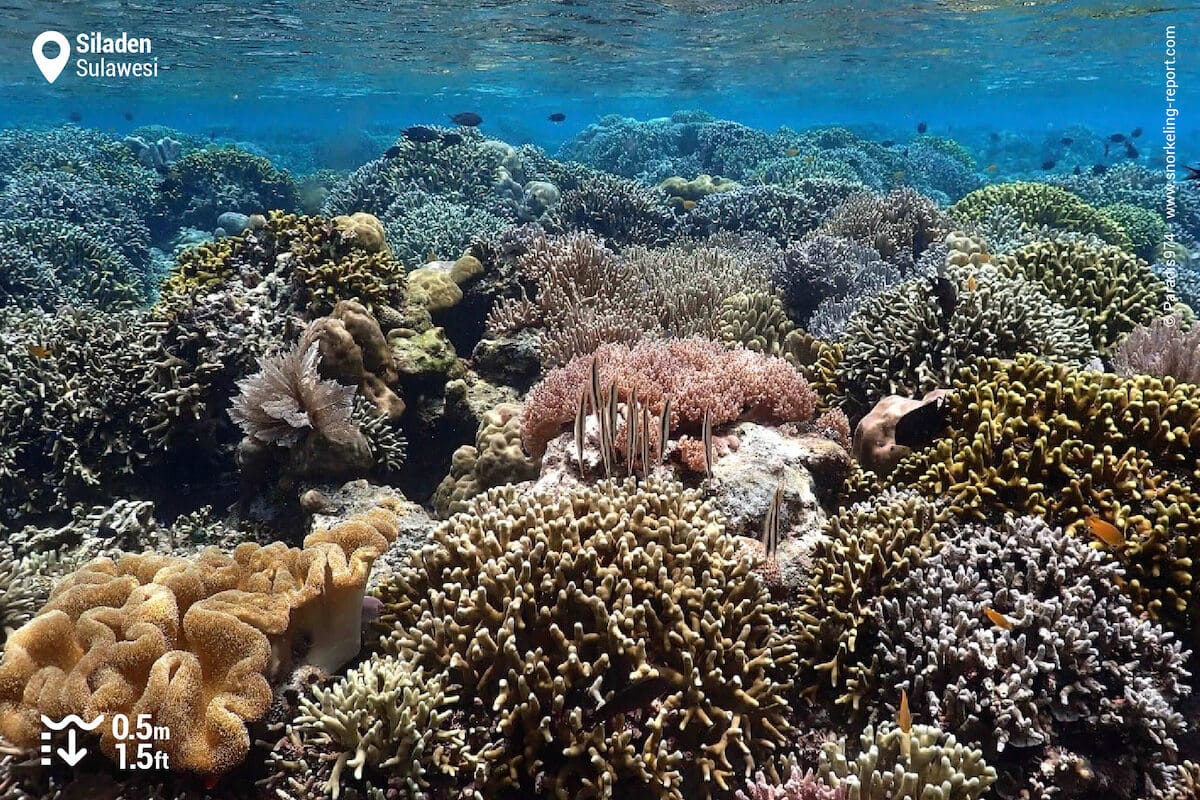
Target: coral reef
[(203, 184), (495, 459), (1167, 347), (899, 226), (587, 595), (1039, 205)]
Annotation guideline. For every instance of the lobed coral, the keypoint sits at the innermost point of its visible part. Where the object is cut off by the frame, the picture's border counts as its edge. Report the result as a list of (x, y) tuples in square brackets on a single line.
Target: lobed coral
[(191, 642), (565, 619), (495, 459), (700, 377)]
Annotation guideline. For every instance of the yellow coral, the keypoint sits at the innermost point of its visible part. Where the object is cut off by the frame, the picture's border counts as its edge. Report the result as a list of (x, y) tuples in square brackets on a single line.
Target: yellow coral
[(193, 643)]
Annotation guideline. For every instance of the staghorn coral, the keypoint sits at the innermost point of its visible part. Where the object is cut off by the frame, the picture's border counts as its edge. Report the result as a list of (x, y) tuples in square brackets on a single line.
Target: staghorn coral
[(422, 227), (496, 458), (899, 226), (1145, 228), (191, 642), (798, 786), (1113, 290), (1038, 205), (781, 214), (866, 552), (1077, 674), (1166, 347), (700, 376), (20, 593), (383, 718), (1029, 437), (565, 620), (619, 210), (822, 270), (288, 398), (921, 763), (907, 341)]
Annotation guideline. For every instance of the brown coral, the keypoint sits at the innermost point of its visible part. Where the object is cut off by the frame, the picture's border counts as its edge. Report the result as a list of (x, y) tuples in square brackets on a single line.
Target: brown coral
[(194, 642)]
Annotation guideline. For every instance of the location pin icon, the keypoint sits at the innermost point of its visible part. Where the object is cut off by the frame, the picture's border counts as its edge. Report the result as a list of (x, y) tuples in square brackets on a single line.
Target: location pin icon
[(51, 67)]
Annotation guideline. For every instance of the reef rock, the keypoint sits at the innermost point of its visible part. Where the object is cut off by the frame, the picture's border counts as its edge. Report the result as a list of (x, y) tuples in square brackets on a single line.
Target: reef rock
[(875, 444)]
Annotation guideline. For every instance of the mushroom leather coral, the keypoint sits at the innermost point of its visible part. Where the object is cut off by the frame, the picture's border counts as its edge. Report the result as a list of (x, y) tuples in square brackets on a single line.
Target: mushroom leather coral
[(193, 642)]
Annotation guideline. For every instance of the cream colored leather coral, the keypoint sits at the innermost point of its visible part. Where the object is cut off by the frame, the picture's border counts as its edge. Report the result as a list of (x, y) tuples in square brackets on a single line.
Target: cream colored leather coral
[(193, 642)]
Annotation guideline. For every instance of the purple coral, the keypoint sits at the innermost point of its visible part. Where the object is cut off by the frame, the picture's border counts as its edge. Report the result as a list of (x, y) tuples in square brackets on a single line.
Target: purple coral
[(798, 786)]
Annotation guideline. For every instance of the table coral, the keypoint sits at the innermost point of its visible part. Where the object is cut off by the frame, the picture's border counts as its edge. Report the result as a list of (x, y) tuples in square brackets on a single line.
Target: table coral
[(609, 640), (193, 643)]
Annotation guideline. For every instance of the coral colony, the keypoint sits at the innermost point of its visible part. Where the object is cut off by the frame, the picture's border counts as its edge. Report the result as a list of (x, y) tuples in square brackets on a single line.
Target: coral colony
[(693, 462)]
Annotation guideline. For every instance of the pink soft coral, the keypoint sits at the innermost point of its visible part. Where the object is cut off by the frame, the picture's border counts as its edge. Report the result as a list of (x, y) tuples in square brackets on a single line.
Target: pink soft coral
[(698, 375), (799, 786)]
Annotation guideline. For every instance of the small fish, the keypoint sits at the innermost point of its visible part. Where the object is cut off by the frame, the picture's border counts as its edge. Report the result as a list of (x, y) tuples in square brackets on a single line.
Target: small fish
[(947, 297), (998, 619), (1117, 138), (1067, 141), (921, 426), (421, 134), (637, 696), (1106, 532), (557, 116), (1076, 171), (1193, 173), (75, 116), (995, 137), (1048, 164), (706, 437), (792, 152), (37, 351), (1136, 132), (664, 430), (393, 151), (688, 205), (887, 143), (922, 127), (595, 385), (451, 138), (903, 716), (991, 169), (810, 159), (898, 175), (631, 432), (1130, 150), (129, 116), (468, 119), (580, 427), (770, 531), (1099, 169), (972, 284)]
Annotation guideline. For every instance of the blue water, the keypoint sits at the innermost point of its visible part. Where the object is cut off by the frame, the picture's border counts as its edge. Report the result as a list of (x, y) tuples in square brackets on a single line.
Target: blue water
[(321, 69)]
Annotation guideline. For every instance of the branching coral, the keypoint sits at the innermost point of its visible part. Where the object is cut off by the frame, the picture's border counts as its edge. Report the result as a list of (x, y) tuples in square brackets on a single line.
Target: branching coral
[(1030, 437), (383, 717), (755, 321), (1144, 227), (908, 341), (1038, 205), (900, 225), (1112, 290), (191, 642), (700, 376), (866, 552), (798, 786), (1071, 669), (1164, 348), (621, 211), (825, 269), (921, 763), (609, 641), (782, 214), (205, 183)]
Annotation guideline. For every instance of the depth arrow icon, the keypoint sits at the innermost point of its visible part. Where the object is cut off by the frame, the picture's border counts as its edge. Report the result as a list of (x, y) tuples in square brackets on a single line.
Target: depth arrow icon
[(72, 755)]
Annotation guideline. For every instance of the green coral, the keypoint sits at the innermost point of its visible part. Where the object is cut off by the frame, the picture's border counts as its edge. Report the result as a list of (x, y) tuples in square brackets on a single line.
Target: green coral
[(65, 265), (1113, 290), (206, 183), (756, 321), (1029, 437), (613, 640), (1041, 205), (1144, 227)]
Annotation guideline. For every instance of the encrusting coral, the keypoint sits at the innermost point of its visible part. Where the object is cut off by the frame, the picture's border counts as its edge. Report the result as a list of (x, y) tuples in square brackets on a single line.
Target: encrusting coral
[(1020, 642), (194, 642), (609, 641), (921, 762)]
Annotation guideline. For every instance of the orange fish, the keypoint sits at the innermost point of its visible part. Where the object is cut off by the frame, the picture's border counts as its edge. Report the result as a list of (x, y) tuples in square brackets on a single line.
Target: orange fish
[(37, 351), (998, 619), (904, 716), (991, 168), (972, 284), (792, 152), (1106, 532), (688, 205)]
